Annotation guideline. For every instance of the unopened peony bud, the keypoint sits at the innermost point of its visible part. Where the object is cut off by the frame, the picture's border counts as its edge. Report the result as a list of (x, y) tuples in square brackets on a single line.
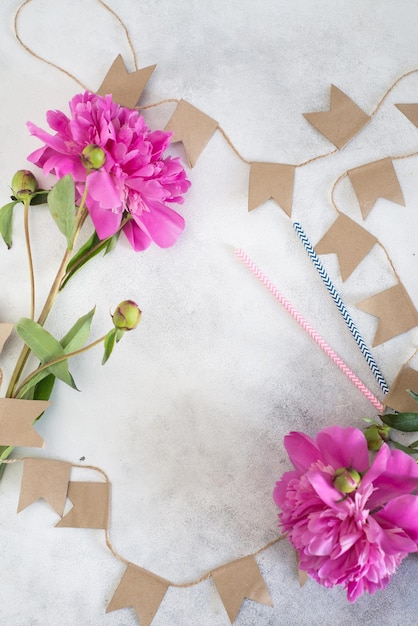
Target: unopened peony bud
[(127, 315), (376, 436), (24, 184), (93, 157), (346, 480)]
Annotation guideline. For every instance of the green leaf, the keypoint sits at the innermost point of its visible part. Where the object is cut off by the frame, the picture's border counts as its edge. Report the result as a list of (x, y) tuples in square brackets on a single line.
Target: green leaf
[(109, 344), (88, 251), (39, 197), (61, 202), (73, 340), (6, 222), (406, 449), (78, 334), (45, 347), (406, 422)]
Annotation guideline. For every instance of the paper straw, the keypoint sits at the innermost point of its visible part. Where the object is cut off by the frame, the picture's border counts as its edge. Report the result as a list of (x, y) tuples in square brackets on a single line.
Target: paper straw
[(310, 330), (341, 307)]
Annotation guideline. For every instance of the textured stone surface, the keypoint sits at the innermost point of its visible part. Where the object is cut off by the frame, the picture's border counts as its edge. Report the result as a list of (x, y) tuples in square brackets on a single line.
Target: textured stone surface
[(188, 416)]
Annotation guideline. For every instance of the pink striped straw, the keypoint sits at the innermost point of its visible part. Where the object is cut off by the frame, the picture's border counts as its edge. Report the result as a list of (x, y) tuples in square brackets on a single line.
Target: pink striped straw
[(310, 330)]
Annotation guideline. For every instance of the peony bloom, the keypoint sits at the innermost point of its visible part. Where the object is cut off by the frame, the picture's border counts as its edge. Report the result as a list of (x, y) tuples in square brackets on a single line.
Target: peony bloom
[(354, 539), (135, 178)]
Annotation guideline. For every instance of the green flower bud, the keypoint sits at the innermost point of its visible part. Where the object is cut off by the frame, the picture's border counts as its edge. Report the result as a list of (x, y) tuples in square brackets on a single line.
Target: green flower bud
[(93, 157), (24, 184), (346, 480), (127, 315), (376, 436)]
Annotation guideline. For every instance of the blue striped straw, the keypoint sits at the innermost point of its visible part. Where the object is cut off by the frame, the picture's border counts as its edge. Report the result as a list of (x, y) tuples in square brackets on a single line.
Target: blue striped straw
[(341, 307)]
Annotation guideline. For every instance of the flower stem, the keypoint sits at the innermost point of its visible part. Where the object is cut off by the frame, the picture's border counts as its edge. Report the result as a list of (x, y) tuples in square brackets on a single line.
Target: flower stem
[(64, 357), (25, 352), (30, 260)]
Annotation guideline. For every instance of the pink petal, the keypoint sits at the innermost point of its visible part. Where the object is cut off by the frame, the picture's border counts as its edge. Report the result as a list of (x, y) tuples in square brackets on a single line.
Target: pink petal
[(399, 477), (301, 450), (53, 141), (343, 447), (106, 222), (163, 225), (402, 512), (326, 491), (138, 239), (103, 191)]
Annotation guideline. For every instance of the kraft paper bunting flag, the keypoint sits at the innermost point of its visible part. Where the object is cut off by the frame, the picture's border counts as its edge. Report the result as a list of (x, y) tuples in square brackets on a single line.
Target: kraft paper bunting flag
[(126, 88), (373, 181), (271, 180), (238, 580), (16, 419), (349, 241), (410, 111), (343, 120), (398, 397), (5, 330), (47, 479), (141, 590), (395, 311), (193, 128), (90, 506), (302, 575)]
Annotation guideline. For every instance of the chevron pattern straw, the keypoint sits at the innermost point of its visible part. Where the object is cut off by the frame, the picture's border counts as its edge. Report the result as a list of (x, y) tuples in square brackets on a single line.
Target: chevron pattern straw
[(341, 307)]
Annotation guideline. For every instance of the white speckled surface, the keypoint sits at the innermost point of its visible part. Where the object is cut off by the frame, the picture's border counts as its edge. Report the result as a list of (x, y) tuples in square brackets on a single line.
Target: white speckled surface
[(188, 416)]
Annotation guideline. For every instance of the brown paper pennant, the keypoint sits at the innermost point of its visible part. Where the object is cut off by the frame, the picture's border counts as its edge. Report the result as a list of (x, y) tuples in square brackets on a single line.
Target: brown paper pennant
[(5, 330), (343, 120), (126, 88), (375, 180), (271, 180), (193, 128), (90, 506), (410, 111), (238, 580), (398, 397), (349, 241), (16, 419), (395, 311), (141, 590), (302, 575), (47, 479)]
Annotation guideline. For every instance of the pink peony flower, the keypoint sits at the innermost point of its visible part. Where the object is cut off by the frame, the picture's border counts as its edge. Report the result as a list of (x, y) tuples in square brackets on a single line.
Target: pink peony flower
[(354, 539), (135, 178)]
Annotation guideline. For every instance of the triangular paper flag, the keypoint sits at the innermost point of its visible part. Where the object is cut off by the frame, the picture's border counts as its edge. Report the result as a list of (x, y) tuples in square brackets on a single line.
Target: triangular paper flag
[(398, 397), (271, 180), (193, 128), (395, 311), (410, 111), (126, 89), (375, 180), (5, 330), (141, 590), (349, 241), (47, 479), (16, 419), (343, 120), (302, 575), (238, 580), (90, 506)]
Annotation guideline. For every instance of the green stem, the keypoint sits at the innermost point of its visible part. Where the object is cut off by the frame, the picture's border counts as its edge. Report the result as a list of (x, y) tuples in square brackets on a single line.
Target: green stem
[(64, 357), (30, 260), (24, 355)]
